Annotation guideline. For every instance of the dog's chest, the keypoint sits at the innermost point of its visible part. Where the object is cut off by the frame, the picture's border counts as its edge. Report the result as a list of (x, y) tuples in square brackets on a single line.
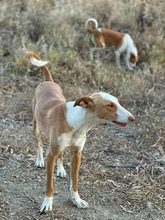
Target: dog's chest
[(71, 139)]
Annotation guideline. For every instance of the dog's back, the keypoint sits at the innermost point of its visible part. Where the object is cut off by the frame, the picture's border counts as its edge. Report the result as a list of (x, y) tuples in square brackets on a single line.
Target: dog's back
[(112, 37), (49, 102)]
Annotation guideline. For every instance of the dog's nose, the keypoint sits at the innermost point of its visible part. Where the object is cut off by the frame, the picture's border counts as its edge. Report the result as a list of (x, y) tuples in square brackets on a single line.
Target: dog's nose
[(131, 118)]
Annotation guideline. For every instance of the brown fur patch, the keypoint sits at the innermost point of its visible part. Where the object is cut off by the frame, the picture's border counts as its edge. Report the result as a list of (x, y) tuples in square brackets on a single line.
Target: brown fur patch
[(112, 37), (104, 109), (50, 109)]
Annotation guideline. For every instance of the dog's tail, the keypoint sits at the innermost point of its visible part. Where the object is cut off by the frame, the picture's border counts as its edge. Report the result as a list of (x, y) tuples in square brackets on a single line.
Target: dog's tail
[(89, 23), (36, 61)]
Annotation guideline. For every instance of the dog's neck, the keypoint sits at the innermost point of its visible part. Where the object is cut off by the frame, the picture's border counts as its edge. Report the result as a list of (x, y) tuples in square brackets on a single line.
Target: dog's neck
[(80, 119)]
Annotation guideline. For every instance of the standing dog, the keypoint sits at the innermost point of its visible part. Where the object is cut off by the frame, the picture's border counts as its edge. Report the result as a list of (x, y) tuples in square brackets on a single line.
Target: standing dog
[(66, 125), (122, 42)]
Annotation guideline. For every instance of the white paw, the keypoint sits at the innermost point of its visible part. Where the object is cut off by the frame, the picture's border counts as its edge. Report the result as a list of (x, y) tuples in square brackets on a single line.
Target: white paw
[(61, 172), (119, 67), (80, 203), (40, 160), (130, 68), (47, 204), (39, 163), (60, 169)]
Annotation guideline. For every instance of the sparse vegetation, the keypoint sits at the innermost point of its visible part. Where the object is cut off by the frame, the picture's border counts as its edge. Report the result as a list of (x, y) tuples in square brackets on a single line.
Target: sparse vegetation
[(123, 171)]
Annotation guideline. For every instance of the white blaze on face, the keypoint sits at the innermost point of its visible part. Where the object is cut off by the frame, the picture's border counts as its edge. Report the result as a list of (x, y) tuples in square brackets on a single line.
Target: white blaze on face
[(122, 114)]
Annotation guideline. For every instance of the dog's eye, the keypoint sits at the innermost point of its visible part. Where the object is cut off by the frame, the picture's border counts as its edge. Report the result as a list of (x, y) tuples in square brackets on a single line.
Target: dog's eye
[(111, 105)]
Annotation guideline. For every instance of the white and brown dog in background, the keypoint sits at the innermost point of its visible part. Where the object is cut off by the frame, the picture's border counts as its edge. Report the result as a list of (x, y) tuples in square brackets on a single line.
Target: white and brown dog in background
[(122, 42), (66, 124)]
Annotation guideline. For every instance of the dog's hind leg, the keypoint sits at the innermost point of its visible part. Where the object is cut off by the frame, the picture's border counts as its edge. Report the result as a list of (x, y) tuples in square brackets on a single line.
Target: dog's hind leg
[(92, 53), (60, 168), (40, 160), (34, 125), (99, 45)]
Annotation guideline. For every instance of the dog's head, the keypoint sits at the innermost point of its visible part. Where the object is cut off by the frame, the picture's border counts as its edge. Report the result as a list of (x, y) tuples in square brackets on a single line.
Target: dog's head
[(133, 59), (106, 108)]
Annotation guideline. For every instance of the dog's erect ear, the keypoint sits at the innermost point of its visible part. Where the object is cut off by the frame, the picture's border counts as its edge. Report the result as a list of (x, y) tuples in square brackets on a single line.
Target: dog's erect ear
[(85, 102)]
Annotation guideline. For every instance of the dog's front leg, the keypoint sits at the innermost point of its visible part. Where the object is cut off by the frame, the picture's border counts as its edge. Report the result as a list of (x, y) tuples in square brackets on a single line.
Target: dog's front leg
[(127, 62), (48, 201), (75, 166), (117, 57)]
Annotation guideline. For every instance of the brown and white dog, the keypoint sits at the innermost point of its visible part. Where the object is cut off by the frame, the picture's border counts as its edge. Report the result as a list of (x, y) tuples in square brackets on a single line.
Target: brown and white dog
[(122, 42), (66, 125)]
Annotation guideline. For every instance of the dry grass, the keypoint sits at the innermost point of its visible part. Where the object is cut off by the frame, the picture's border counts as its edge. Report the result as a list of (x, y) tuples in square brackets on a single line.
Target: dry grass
[(126, 171)]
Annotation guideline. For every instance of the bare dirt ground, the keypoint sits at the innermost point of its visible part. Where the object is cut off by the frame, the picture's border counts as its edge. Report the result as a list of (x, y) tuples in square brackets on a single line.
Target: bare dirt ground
[(122, 172), (122, 175)]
